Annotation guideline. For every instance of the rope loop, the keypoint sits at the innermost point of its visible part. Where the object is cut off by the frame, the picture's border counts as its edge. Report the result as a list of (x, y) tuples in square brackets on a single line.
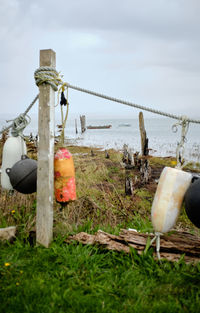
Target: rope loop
[(48, 75)]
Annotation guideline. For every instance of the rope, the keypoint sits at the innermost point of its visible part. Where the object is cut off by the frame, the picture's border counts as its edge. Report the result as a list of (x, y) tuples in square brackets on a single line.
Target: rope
[(50, 76), (19, 122), (63, 119), (178, 117), (31, 104), (157, 238)]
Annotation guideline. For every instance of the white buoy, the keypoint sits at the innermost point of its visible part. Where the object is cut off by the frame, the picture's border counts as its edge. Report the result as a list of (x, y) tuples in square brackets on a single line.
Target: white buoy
[(13, 149), (168, 198)]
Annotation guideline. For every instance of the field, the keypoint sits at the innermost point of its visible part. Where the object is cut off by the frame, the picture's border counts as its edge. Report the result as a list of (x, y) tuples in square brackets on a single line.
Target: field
[(77, 278)]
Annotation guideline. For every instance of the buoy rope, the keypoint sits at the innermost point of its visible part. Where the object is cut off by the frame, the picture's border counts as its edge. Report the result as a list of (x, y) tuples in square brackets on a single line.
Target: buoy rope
[(49, 75), (157, 239)]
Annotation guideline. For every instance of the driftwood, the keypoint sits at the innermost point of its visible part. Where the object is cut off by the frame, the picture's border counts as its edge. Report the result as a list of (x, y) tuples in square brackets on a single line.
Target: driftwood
[(7, 233), (172, 246)]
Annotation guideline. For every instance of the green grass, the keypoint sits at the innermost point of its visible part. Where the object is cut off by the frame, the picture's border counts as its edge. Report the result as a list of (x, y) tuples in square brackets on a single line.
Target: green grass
[(76, 278)]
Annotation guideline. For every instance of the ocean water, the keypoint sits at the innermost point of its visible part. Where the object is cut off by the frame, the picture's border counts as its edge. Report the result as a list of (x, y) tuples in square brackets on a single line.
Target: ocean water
[(162, 140)]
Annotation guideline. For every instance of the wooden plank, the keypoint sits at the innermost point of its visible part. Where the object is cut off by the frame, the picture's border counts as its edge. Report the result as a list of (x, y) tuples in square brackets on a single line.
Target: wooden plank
[(45, 172)]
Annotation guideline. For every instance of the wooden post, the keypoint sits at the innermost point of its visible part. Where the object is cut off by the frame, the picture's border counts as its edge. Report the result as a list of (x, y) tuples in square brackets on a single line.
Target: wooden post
[(82, 120), (144, 139), (128, 158), (107, 155), (45, 172), (76, 126), (128, 185)]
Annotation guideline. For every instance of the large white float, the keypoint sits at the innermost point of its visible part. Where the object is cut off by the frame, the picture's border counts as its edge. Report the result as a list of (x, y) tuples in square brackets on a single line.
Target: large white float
[(13, 149)]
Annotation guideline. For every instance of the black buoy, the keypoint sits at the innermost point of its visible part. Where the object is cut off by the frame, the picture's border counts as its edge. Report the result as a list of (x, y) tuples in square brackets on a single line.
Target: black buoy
[(192, 202), (23, 175)]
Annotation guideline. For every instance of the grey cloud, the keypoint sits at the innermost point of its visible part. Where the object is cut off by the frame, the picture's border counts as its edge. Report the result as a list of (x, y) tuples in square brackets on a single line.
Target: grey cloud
[(163, 19), (147, 50)]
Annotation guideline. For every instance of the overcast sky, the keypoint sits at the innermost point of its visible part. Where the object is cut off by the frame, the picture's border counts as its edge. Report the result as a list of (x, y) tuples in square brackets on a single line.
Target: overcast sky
[(145, 51)]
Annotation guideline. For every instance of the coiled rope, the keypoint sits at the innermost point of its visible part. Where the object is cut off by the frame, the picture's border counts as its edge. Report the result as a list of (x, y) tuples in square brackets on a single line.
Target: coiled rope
[(48, 75), (19, 123)]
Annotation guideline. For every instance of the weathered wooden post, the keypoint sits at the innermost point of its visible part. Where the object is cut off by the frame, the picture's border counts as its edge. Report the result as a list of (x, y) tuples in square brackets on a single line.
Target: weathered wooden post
[(145, 168), (76, 129), (82, 120), (107, 156), (144, 139), (45, 172)]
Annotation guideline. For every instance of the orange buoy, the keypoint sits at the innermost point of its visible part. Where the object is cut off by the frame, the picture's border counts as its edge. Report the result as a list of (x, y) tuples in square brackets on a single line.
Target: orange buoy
[(64, 176)]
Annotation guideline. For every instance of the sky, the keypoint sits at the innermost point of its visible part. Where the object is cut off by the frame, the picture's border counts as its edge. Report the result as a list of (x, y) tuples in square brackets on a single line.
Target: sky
[(145, 51)]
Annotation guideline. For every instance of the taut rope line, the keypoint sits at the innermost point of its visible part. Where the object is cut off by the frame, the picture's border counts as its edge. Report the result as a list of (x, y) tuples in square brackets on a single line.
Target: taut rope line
[(50, 76)]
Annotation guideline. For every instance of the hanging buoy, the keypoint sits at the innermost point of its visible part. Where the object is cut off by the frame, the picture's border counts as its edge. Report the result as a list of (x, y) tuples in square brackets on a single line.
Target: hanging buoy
[(192, 202), (64, 176), (23, 175), (168, 198), (13, 149)]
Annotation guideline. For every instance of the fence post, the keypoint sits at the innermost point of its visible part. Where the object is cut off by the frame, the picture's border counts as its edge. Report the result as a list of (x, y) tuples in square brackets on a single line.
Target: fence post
[(45, 172)]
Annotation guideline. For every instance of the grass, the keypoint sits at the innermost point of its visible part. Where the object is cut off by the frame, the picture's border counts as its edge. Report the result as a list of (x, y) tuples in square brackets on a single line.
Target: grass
[(77, 278)]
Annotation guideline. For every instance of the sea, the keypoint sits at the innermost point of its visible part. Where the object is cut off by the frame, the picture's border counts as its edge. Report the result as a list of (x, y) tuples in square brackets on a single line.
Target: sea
[(162, 140)]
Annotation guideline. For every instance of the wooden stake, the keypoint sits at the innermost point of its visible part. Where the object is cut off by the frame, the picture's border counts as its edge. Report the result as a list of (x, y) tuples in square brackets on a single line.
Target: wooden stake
[(76, 126), (45, 172), (82, 120), (144, 139)]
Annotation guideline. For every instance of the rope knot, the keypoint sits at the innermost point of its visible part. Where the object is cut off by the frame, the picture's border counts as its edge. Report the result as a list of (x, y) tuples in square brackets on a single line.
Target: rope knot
[(48, 75), (19, 124)]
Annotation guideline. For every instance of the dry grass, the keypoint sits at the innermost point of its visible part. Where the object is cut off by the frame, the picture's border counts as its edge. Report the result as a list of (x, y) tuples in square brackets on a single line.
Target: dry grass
[(101, 199)]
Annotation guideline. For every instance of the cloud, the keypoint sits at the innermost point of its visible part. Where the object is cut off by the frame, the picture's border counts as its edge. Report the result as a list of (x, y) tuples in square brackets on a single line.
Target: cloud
[(144, 51)]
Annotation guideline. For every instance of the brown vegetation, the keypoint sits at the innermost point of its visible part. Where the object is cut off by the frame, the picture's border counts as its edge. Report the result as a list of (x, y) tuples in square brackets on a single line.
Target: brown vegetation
[(101, 199)]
